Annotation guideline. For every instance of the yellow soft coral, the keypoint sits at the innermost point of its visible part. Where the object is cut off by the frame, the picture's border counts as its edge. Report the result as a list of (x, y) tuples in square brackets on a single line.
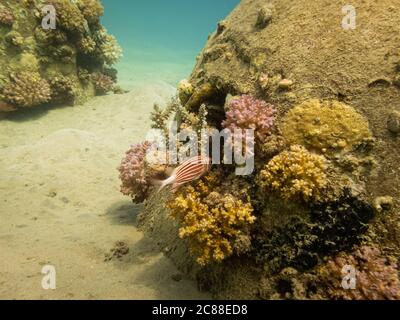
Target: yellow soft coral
[(211, 218), (295, 174)]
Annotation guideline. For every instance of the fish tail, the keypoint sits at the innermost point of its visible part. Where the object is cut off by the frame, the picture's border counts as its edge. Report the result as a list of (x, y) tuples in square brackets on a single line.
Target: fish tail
[(163, 183)]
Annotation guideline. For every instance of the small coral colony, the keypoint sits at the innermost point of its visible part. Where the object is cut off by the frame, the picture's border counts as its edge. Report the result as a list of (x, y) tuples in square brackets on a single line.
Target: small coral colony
[(302, 205), (62, 65)]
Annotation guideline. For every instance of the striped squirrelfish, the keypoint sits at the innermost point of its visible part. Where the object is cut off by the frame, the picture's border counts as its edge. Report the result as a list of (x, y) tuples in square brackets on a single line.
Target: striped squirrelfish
[(190, 170)]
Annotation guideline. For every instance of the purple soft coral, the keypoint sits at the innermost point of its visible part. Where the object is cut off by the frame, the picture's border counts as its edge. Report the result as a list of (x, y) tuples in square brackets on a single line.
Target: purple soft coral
[(133, 172), (247, 112)]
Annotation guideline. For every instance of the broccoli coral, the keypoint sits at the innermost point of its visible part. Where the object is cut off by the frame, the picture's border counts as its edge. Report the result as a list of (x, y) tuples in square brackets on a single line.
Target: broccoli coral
[(213, 217), (329, 126), (249, 113), (377, 278), (6, 17), (27, 89), (295, 174), (133, 172)]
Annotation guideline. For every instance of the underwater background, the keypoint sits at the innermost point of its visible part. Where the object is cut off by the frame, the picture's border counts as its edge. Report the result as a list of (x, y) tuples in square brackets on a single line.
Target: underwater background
[(320, 84), (161, 39)]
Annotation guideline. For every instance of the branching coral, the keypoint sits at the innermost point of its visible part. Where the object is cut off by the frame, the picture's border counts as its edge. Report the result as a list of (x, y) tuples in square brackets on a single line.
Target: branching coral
[(14, 38), (87, 45), (6, 16), (160, 117), (213, 217), (69, 17), (84, 76), (249, 113), (133, 172), (377, 278), (295, 174), (102, 83), (63, 89), (50, 37), (108, 48), (328, 127), (92, 10), (27, 89), (78, 42)]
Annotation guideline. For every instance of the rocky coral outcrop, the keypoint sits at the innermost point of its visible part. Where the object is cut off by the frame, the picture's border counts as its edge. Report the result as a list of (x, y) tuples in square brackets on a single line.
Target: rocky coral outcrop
[(329, 155), (56, 56), (27, 89)]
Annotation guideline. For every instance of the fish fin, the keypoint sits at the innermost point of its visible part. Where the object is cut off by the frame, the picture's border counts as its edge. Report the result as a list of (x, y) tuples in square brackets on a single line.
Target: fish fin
[(163, 183), (169, 171), (175, 187)]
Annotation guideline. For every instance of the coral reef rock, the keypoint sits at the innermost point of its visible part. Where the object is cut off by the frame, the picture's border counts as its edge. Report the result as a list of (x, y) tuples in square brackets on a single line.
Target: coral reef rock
[(40, 66), (324, 157)]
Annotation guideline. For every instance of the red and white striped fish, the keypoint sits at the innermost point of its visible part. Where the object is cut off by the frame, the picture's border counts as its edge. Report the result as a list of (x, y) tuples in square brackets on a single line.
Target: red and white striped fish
[(190, 170)]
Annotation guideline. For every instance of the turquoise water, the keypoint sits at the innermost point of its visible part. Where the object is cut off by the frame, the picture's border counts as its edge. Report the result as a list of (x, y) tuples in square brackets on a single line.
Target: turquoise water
[(161, 38)]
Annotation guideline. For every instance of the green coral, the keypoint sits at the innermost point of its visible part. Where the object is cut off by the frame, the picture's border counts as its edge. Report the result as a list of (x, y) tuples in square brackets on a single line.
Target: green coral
[(328, 127)]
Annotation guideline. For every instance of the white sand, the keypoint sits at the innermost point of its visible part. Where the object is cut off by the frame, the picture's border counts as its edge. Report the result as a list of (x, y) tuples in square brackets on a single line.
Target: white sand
[(60, 204)]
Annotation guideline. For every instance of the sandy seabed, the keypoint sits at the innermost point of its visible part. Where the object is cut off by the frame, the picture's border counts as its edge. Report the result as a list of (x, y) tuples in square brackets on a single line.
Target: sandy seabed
[(60, 204)]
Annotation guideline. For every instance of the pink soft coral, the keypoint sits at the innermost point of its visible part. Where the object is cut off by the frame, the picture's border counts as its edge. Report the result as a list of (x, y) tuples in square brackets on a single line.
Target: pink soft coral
[(133, 172), (247, 112)]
